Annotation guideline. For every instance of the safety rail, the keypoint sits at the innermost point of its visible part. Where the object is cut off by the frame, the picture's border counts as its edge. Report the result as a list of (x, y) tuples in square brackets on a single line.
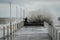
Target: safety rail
[(8, 30)]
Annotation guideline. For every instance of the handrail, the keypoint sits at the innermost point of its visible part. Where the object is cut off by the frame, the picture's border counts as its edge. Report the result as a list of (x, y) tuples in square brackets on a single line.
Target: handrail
[(6, 31), (8, 24)]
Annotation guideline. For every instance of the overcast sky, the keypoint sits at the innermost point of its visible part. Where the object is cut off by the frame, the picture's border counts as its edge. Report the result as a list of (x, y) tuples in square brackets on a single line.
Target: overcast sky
[(36, 5), (31, 5)]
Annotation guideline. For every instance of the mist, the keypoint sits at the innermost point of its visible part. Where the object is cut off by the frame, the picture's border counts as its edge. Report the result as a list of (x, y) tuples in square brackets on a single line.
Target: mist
[(43, 14)]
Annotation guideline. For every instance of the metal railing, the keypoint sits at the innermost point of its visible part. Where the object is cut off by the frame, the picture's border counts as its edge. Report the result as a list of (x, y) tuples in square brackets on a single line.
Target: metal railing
[(9, 30)]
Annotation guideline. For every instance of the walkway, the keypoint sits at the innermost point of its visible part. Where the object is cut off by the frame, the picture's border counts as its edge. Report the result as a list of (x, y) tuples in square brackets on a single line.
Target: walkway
[(32, 33)]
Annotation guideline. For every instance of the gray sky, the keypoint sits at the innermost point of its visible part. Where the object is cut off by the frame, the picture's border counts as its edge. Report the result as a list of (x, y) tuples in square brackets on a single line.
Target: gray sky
[(31, 5), (36, 5)]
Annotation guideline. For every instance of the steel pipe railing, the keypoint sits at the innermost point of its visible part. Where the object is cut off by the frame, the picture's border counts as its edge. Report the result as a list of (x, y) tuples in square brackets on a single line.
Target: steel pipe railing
[(9, 30)]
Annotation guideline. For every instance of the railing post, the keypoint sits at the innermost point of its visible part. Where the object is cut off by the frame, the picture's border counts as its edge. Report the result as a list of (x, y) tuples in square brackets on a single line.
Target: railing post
[(7, 32), (3, 33), (11, 37), (15, 27)]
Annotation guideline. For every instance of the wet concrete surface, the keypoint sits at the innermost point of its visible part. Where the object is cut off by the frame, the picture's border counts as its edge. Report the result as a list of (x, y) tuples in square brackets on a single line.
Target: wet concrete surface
[(31, 33)]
